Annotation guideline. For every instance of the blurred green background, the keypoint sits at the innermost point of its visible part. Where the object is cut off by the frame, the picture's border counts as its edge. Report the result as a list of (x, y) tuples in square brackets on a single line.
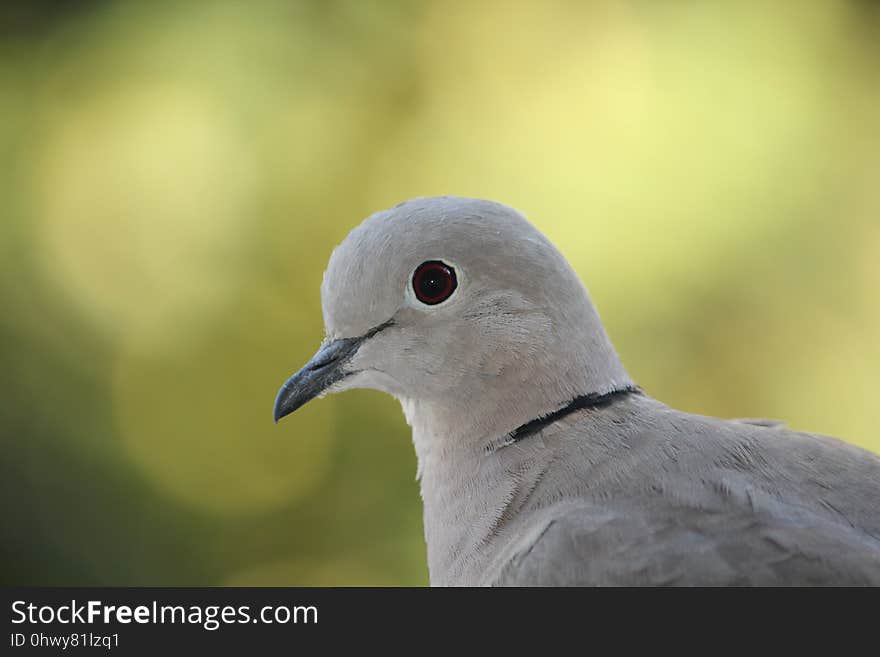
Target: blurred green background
[(176, 174)]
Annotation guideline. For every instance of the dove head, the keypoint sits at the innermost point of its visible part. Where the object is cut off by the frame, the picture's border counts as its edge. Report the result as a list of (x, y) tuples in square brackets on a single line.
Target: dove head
[(462, 310)]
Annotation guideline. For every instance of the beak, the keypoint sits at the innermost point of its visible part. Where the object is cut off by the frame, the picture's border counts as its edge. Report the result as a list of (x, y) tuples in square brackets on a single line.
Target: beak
[(324, 369)]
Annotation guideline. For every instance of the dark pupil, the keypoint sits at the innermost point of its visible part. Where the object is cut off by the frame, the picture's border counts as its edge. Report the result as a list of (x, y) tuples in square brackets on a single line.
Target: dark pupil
[(433, 283)]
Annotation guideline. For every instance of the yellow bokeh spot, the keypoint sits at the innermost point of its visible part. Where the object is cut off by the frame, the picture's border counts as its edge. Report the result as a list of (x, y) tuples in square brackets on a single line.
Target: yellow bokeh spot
[(145, 196)]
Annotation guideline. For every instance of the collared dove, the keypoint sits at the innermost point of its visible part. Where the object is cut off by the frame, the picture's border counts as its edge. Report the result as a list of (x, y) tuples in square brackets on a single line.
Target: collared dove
[(540, 461)]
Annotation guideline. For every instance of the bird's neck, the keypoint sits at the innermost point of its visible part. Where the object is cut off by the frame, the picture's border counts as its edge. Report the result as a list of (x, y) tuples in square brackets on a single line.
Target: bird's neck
[(464, 491), (467, 485)]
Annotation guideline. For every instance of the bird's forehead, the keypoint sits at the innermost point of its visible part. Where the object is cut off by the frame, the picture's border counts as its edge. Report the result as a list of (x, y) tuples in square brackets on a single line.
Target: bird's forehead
[(367, 273)]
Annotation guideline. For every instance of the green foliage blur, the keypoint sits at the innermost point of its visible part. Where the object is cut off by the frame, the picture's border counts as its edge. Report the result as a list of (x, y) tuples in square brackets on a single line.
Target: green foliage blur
[(176, 174)]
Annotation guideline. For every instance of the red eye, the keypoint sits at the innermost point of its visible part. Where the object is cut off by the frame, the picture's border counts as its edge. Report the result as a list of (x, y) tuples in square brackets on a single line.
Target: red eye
[(434, 282)]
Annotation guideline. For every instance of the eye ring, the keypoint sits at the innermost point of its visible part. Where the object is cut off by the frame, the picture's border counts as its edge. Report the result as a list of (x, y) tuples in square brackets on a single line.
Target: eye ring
[(434, 282)]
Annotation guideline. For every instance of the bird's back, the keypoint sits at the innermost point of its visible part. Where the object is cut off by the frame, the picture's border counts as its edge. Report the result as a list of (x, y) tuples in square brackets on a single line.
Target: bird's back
[(638, 493)]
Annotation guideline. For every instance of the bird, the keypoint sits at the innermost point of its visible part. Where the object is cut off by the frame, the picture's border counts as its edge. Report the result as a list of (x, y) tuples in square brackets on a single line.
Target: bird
[(540, 461)]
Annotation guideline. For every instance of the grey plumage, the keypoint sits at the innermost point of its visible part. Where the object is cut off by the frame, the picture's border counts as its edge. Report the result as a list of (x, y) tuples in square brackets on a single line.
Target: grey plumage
[(662, 497), (628, 492)]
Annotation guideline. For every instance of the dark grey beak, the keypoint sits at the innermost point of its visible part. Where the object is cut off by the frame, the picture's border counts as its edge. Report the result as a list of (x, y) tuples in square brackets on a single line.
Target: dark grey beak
[(325, 369)]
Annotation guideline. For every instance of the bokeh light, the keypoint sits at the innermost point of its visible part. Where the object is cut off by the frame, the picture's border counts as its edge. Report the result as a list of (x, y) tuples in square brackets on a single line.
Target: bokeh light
[(147, 195), (177, 174)]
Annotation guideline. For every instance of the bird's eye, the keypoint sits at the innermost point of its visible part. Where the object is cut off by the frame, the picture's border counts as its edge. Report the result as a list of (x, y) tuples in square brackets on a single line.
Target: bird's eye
[(434, 282)]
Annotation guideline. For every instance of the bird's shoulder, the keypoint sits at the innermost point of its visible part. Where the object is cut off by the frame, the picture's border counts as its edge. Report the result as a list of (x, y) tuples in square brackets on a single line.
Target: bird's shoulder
[(645, 448), (644, 494), (626, 544)]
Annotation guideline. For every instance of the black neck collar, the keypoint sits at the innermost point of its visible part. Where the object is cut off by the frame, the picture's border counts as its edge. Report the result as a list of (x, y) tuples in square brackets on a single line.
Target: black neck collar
[(591, 400)]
